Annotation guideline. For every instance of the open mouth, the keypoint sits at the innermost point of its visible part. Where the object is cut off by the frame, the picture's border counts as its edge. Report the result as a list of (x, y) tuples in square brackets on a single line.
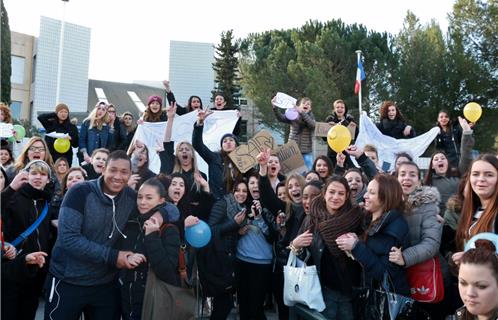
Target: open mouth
[(184, 157), (37, 157), (296, 194)]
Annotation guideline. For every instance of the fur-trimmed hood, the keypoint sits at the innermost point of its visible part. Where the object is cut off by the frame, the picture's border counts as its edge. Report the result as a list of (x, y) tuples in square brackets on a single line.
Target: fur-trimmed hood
[(422, 195)]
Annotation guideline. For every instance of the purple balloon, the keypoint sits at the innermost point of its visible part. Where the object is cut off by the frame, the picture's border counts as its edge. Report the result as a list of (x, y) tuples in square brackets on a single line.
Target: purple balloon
[(291, 114)]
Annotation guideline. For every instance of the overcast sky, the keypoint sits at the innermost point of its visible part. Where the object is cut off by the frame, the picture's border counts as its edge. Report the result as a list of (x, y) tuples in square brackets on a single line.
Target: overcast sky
[(130, 38)]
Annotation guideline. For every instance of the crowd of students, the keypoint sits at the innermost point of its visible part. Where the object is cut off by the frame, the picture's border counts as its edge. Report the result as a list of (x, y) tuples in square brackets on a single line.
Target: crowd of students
[(99, 227)]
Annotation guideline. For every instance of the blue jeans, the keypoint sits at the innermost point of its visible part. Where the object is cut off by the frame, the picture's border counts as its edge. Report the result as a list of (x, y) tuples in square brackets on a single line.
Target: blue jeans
[(308, 160), (337, 305)]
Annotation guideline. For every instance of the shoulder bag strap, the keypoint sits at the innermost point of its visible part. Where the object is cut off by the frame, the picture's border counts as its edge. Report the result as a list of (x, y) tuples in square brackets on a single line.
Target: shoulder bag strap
[(32, 227)]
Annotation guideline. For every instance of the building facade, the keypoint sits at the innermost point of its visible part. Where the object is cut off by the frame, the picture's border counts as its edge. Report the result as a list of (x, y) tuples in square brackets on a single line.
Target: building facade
[(191, 70), (22, 77)]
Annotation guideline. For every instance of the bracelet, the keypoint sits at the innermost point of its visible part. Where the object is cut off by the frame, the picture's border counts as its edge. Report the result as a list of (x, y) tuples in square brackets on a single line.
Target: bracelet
[(295, 250)]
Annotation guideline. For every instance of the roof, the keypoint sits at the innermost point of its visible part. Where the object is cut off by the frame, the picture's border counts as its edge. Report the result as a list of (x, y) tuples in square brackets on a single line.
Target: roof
[(117, 94)]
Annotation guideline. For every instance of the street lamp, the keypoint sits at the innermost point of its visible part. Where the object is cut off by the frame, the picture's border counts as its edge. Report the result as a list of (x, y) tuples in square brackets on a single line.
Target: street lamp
[(61, 49)]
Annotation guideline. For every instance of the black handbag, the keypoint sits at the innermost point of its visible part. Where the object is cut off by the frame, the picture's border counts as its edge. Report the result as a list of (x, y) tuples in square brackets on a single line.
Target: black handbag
[(382, 303)]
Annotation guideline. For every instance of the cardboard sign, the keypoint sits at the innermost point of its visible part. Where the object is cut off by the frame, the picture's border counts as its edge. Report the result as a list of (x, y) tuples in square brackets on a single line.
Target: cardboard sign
[(244, 157), (291, 159), (322, 128)]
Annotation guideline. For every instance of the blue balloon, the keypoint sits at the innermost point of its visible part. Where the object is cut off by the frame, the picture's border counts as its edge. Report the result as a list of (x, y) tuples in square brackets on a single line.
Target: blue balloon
[(198, 235), (493, 238)]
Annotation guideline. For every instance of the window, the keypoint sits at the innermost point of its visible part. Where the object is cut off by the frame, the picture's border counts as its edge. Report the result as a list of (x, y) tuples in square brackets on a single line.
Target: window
[(15, 109), (17, 75), (136, 100), (101, 95)]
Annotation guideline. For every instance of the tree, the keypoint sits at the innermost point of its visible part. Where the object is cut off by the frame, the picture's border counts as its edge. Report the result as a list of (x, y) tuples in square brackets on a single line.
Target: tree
[(317, 60), (226, 68), (5, 54)]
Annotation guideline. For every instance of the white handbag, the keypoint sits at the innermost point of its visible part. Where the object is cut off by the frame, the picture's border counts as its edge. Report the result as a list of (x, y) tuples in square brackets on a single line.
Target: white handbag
[(302, 285)]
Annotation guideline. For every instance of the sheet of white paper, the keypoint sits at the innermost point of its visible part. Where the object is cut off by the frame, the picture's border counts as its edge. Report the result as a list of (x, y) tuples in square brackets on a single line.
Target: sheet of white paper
[(284, 101)]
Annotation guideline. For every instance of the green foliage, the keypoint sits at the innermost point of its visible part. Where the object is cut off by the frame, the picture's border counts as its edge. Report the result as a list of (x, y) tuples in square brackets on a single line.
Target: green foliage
[(31, 130), (317, 60), (5, 54), (226, 68)]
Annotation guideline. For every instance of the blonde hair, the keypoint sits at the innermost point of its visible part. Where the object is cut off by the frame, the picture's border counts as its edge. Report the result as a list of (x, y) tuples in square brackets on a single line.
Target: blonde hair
[(178, 165), (92, 117), (39, 166), (22, 160)]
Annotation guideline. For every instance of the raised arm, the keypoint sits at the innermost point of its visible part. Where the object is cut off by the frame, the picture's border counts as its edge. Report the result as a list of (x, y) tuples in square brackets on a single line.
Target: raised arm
[(466, 146), (197, 141)]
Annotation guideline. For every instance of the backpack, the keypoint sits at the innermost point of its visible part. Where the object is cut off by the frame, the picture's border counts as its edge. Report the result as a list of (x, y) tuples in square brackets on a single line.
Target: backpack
[(216, 268)]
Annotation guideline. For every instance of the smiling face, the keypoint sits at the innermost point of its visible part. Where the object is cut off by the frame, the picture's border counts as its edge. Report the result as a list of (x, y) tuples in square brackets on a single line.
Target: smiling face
[(98, 161), (116, 174), (154, 107), (483, 179), (148, 198), (335, 196), (305, 106), (372, 202), (355, 182), (37, 151), (295, 191), (340, 110), (478, 289), (391, 112), (408, 178), (281, 194), (253, 185), (273, 166), (228, 144), (73, 178), (240, 193), (309, 193), (440, 164), (443, 119), (176, 189), (4, 156), (37, 179), (322, 168)]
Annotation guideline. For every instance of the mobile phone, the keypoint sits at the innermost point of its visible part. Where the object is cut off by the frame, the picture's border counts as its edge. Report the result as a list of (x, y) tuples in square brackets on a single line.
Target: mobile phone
[(385, 166)]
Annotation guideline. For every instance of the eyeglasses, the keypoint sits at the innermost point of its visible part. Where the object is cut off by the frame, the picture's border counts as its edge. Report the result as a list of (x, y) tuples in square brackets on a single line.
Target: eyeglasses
[(36, 149), (111, 111)]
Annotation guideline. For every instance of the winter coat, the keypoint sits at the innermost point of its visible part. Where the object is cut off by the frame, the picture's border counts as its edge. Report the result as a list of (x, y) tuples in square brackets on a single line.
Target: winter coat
[(394, 128), (295, 217), (447, 185), (161, 250), (51, 123), (463, 314), (119, 137), (94, 138), (214, 161), (301, 130), (90, 224), (424, 235), (373, 253), (20, 209), (449, 143)]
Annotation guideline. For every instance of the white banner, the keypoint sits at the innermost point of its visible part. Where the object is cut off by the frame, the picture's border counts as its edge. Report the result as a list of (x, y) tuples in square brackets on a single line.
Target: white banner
[(388, 147), (215, 126)]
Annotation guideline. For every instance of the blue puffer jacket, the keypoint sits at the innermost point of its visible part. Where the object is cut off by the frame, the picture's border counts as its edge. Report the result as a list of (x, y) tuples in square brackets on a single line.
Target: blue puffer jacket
[(91, 139), (373, 254), (90, 224)]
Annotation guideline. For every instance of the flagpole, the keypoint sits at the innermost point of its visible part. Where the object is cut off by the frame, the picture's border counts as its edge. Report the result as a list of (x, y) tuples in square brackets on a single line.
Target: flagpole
[(358, 59)]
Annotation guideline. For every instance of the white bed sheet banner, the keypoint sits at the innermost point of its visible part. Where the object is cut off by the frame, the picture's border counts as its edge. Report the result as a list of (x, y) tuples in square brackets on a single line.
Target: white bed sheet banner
[(387, 146), (215, 126)]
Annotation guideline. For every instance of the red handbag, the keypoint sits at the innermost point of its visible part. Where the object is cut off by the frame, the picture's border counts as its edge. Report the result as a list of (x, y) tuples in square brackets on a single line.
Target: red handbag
[(426, 281)]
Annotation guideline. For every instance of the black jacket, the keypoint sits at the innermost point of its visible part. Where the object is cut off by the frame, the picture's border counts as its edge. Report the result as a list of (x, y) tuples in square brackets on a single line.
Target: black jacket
[(394, 128), (51, 123), (449, 142)]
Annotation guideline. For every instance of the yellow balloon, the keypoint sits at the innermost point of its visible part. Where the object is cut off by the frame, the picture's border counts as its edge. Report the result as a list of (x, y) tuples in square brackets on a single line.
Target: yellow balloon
[(62, 145), (338, 138), (472, 111)]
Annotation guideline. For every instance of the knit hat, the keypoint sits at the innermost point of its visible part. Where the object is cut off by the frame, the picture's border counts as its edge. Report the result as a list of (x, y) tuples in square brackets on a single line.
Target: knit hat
[(60, 107), (156, 99), (231, 135)]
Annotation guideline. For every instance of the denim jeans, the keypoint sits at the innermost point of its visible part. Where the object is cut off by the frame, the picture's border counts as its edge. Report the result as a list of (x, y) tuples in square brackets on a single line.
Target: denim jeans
[(337, 305), (308, 160)]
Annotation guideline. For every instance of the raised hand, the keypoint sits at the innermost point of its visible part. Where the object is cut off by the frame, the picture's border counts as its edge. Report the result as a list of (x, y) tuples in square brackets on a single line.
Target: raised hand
[(151, 225), (171, 111), (19, 180)]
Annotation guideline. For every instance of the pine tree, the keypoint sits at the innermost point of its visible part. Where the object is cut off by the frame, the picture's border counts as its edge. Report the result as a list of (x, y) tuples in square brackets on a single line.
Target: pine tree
[(6, 68), (226, 69)]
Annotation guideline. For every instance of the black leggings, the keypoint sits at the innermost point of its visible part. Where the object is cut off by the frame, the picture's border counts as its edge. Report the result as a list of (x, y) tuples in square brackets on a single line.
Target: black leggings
[(253, 282)]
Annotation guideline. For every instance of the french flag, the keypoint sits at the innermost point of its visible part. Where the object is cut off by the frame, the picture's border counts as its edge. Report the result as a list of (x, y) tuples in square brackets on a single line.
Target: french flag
[(360, 76)]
